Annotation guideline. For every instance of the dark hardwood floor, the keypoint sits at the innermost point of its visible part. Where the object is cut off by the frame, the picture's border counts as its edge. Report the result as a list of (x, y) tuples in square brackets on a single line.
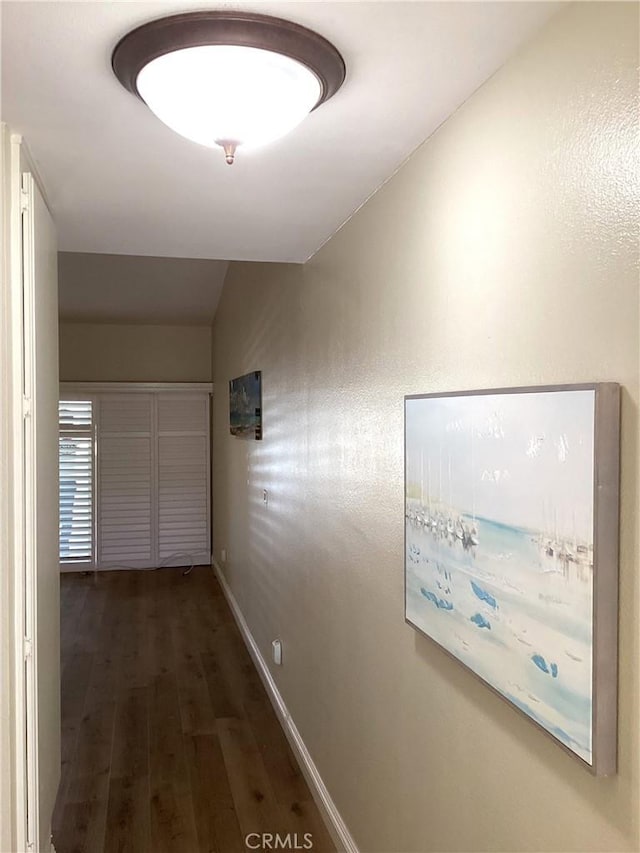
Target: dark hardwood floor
[(169, 742)]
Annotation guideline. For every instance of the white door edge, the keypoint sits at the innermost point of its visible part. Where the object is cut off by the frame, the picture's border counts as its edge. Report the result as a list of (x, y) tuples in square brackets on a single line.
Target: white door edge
[(30, 487), (19, 774)]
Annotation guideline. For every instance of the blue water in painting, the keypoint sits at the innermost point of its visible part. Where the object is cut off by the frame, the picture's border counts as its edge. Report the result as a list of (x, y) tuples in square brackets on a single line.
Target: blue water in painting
[(514, 607)]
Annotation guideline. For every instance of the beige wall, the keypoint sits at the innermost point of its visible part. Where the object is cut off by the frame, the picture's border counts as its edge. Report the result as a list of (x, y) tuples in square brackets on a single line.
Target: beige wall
[(504, 253), (93, 352)]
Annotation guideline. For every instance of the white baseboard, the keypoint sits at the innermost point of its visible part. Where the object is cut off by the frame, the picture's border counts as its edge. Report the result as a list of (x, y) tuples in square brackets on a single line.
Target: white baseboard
[(330, 814)]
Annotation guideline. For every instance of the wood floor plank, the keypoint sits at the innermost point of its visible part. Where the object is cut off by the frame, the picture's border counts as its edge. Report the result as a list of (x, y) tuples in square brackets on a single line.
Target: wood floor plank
[(172, 823), (167, 758), (135, 657), (82, 636), (287, 779), (74, 604), (130, 758), (235, 668), (195, 704), (61, 826), (253, 797), (303, 818), (161, 658), (74, 684), (223, 696), (128, 816), (216, 821), (76, 820), (95, 740), (86, 813)]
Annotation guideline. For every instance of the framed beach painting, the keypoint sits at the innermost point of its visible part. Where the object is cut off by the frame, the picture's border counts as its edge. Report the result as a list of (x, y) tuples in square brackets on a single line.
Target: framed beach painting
[(245, 405), (511, 549)]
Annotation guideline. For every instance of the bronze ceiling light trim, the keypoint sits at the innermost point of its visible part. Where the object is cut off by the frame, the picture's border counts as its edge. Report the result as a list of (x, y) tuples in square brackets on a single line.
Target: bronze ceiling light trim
[(257, 68)]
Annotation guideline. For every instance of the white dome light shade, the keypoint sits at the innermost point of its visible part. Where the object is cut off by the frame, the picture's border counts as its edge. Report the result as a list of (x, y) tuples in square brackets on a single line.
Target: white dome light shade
[(219, 94), (228, 78)]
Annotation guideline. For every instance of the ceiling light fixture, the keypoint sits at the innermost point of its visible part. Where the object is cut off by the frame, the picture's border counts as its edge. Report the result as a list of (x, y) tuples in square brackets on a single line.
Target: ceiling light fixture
[(228, 78)]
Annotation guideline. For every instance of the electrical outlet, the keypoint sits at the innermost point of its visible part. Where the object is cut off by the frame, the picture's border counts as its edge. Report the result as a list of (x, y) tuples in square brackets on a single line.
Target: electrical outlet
[(276, 650), (265, 497)]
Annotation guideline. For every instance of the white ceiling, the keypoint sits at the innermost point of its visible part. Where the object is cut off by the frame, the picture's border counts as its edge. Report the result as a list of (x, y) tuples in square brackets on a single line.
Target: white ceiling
[(120, 182), (133, 289)]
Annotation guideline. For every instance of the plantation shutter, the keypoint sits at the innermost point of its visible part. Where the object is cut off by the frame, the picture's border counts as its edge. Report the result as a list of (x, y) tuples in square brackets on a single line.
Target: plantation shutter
[(183, 478), (76, 480), (126, 490), (135, 477)]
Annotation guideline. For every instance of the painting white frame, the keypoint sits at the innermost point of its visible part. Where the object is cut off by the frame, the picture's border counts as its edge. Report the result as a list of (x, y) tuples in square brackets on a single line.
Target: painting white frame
[(598, 573)]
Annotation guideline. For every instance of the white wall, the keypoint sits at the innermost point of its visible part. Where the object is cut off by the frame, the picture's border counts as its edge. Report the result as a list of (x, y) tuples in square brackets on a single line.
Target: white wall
[(94, 352), (504, 253), (6, 513)]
